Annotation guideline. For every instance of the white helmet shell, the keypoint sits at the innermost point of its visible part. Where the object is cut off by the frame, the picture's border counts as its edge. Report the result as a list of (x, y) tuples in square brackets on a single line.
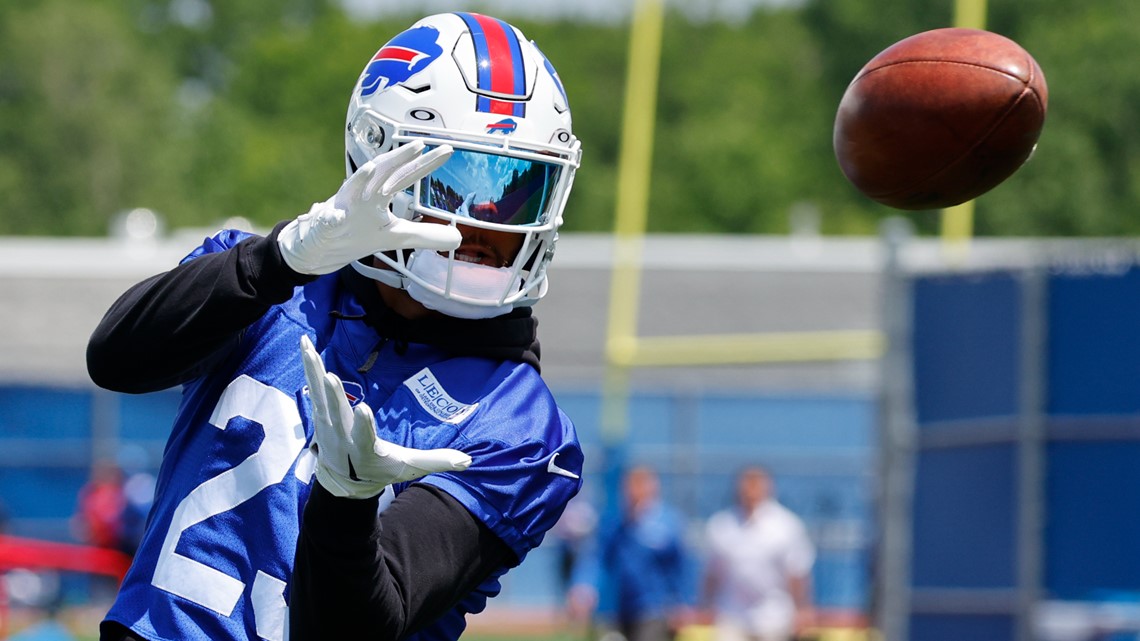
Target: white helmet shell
[(475, 83)]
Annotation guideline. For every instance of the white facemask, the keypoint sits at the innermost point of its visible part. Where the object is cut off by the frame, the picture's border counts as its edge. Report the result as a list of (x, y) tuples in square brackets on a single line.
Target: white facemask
[(470, 281)]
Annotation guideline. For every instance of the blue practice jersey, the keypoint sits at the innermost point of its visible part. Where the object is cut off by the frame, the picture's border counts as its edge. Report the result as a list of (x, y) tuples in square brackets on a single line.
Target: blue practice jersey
[(217, 558), (642, 567)]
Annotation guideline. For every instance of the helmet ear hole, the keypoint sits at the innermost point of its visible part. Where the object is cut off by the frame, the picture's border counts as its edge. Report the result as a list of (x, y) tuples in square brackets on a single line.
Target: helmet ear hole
[(365, 138)]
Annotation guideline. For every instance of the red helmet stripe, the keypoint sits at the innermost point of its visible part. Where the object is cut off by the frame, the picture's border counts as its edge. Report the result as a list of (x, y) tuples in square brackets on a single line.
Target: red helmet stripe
[(498, 55)]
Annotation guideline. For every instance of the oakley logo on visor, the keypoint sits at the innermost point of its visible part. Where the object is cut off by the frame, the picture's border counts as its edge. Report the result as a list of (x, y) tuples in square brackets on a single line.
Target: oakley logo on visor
[(491, 188)]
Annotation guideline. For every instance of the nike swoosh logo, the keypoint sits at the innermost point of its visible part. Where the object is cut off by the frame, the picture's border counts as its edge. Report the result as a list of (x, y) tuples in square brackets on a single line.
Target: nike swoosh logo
[(554, 469)]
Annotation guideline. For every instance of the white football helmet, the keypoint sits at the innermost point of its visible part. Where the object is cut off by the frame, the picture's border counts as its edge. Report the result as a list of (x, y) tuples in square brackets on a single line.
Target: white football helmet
[(475, 83)]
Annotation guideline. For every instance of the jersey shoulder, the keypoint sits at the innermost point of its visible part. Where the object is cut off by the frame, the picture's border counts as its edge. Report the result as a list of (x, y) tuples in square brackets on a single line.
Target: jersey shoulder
[(526, 458), (219, 242), (488, 400)]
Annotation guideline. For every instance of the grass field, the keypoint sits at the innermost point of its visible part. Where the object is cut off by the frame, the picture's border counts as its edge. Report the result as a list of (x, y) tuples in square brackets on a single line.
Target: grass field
[(82, 624)]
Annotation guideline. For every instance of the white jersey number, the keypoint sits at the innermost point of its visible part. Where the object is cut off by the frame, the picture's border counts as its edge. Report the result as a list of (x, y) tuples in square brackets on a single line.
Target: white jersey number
[(284, 440)]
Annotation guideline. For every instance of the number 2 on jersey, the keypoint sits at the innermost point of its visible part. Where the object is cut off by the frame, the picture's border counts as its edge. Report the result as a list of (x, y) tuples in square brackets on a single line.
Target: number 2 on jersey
[(284, 440)]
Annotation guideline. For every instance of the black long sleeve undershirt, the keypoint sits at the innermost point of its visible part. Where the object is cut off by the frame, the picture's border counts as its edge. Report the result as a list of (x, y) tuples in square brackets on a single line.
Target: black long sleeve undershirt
[(366, 577), (357, 576), (378, 578), (172, 327)]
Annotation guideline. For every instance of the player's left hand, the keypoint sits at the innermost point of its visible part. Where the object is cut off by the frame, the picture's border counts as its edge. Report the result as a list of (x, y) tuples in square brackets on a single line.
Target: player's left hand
[(357, 221), (352, 461)]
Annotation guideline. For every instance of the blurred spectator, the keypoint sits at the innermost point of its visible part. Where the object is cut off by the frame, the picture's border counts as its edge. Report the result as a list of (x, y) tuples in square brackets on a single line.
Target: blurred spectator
[(98, 519), (637, 578), (758, 578), (571, 535), (138, 496)]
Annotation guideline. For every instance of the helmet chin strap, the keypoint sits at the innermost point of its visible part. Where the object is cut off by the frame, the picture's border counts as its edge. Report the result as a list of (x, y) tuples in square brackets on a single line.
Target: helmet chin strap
[(386, 276)]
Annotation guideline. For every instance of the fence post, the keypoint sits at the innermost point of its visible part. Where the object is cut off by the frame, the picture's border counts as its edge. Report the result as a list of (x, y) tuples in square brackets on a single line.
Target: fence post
[(892, 548)]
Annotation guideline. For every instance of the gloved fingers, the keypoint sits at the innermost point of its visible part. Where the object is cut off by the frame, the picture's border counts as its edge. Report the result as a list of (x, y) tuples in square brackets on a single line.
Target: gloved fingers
[(355, 186), (339, 408), (425, 462), (389, 161), (384, 462), (406, 234), (366, 180), (364, 438), (418, 463), (406, 175), (369, 449), (314, 376), (381, 168)]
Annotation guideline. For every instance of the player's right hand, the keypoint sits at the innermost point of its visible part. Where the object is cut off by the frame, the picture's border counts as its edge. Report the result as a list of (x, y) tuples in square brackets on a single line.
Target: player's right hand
[(352, 461), (357, 222)]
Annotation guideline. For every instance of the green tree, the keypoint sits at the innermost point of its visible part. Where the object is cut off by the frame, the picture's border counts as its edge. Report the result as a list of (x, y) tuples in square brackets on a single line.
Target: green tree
[(591, 61), (83, 109), (742, 133), (205, 110), (1084, 179)]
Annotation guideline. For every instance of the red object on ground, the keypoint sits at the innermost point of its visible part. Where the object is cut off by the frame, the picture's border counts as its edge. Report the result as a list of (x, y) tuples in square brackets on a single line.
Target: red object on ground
[(34, 554)]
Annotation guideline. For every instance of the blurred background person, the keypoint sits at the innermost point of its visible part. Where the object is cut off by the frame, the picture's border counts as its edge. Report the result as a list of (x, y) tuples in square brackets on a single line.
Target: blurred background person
[(138, 496), (758, 575), (571, 535), (637, 578), (98, 517)]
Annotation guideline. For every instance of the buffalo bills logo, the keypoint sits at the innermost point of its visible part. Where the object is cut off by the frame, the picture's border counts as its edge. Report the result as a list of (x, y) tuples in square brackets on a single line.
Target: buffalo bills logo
[(505, 126), (353, 391), (404, 56)]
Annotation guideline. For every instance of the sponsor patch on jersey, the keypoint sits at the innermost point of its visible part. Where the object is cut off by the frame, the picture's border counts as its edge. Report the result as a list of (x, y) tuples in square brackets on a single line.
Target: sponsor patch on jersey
[(435, 400)]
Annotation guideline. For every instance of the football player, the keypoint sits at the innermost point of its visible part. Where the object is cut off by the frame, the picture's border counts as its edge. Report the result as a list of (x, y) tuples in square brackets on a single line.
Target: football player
[(365, 445)]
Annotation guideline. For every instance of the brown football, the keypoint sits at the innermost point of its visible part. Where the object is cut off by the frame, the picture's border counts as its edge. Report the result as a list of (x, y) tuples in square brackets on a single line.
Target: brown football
[(940, 118)]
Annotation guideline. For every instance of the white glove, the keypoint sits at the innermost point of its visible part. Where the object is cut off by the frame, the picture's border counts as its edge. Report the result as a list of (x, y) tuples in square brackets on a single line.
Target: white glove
[(357, 222), (352, 461)]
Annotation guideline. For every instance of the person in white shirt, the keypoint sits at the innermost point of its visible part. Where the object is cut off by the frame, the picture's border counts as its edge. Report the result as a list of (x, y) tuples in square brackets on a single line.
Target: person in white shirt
[(758, 579)]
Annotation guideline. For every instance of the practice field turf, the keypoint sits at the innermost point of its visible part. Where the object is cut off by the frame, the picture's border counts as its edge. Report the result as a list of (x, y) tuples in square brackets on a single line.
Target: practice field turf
[(82, 623)]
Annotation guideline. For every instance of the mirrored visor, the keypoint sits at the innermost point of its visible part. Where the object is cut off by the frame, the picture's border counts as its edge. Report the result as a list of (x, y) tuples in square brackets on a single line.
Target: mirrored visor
[(492, 188)]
